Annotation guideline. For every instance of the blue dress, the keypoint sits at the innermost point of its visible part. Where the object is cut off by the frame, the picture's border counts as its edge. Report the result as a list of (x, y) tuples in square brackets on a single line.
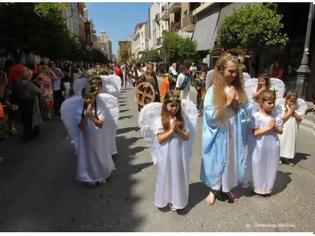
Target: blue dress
[(215, 141)]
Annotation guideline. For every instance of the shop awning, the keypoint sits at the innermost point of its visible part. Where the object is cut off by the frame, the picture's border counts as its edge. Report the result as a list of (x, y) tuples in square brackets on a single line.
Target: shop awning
[(205, 31)]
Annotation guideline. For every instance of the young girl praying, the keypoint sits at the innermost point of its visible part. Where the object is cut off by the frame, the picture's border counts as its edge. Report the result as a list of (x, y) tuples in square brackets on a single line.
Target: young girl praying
[(264, 147), (172, 180), (225, 119), (291, 118)]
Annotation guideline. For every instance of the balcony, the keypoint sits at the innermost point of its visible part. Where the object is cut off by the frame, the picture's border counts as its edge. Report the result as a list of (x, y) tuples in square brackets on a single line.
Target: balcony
[(188, 23), (174, 7)]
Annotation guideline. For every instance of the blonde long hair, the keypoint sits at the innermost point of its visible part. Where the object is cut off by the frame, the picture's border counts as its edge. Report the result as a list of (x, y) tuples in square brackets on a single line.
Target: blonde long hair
[(219, 84)]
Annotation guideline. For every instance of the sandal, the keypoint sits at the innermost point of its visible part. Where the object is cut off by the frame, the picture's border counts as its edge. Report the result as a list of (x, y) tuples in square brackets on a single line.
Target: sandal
[(231, 197), (172, 208), (210, 199)]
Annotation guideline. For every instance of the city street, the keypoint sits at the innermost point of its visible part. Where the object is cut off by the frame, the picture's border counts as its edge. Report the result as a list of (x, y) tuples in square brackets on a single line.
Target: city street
[(39, 191)]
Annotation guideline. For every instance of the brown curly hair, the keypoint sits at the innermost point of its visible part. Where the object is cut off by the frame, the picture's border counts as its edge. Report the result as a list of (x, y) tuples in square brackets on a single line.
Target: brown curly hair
[(171, 96), (219, 85)]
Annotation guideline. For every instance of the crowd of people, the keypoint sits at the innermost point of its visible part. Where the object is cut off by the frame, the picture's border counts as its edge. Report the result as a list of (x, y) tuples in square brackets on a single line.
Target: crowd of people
[(240, 128)]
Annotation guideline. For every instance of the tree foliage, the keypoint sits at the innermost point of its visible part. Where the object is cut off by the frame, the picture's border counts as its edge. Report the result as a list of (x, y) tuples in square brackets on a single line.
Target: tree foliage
[(40, 28), (152, 55), (253, 27), (176, 48)]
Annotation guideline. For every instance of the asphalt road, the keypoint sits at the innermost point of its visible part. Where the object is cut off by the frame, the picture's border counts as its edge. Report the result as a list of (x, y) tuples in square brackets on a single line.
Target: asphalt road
[(38, 190)]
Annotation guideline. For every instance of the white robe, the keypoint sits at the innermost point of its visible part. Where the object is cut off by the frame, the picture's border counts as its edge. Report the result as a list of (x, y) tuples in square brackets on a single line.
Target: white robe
[(288, 137), (264, 153), (172, 180), (95, 163)]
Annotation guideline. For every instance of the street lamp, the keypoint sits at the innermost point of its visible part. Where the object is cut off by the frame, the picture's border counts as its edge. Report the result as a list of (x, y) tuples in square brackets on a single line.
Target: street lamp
[(304, 71)]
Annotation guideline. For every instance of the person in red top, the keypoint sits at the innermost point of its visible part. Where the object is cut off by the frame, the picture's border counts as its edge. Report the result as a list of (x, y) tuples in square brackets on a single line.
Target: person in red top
[(118, 71)]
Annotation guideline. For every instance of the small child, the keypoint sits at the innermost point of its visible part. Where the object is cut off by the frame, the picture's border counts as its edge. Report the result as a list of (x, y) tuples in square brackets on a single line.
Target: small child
[(172, 183), (291, 118), (263, 85), (264, 146)]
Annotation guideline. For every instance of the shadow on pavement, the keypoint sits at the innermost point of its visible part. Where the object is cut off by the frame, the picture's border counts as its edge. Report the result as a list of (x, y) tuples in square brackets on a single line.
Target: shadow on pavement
[(39, 192), (128, 129), (124, 117), (197, 192), (300, 156), (282, 181)]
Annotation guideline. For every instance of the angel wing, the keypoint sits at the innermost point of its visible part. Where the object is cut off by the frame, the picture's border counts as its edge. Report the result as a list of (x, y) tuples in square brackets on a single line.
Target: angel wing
[(109, 104), (278, 85), (250, 85), (70, 111), (147, 116), (301, 105), (246, 76), (111, 84)]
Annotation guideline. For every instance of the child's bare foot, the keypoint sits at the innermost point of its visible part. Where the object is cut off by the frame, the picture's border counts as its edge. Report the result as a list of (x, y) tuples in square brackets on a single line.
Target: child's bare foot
[(231, 197), (210, 199)]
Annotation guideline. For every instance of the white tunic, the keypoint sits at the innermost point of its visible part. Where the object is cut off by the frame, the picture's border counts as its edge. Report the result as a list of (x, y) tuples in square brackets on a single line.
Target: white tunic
[(172, 180), (263, 157), (95, 163), (288, 137)]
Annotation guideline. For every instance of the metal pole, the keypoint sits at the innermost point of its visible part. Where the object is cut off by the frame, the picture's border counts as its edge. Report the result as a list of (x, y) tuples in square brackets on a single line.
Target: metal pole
[(304, 71)]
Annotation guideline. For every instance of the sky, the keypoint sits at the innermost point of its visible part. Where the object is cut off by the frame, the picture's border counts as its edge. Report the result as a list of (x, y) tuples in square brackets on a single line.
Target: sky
[(118, 20)]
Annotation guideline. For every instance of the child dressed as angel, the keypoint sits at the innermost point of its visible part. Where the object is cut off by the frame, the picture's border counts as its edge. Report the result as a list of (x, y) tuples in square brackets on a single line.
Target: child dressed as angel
[(172, 179), (169, 130)]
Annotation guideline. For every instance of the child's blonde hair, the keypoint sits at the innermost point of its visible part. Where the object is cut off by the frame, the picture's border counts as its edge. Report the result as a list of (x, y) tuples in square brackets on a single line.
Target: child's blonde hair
[(267, 95), (218, 86), (291, 94)]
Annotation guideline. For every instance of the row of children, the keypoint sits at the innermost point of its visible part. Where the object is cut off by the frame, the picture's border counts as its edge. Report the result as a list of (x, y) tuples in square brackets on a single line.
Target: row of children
[(239, 145)]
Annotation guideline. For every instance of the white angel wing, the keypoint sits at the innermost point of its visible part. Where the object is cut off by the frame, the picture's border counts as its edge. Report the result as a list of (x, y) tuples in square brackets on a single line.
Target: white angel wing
[(249, 86), (109, 105), (190, 112), (147, 116), (278, 85), (70, 113), (278, 108), (301, 105), (190, 116), (78, 85), (111, 84), (246, 76)]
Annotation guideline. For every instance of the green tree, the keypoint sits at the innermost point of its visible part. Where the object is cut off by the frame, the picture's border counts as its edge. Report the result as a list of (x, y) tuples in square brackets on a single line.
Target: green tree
[(253, 27), (176, 48), (152, 55)]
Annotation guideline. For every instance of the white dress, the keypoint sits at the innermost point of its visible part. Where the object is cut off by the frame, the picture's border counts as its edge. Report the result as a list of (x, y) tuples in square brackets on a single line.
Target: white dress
[(95, 163), (229, 177), (288, 137), (172, 180), (263, 157)]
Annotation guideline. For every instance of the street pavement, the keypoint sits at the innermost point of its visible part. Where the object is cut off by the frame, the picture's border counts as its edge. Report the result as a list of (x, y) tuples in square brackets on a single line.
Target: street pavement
[(38, 190)]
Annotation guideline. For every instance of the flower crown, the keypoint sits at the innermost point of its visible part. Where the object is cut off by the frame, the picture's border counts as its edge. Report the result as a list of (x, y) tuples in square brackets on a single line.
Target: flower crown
[(173, 95)]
